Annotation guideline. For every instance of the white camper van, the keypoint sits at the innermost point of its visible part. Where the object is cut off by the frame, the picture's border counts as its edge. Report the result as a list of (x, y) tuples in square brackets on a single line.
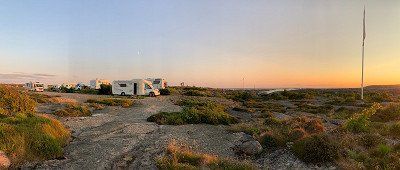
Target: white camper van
[(158, 83), (35, 86), (134, 87)]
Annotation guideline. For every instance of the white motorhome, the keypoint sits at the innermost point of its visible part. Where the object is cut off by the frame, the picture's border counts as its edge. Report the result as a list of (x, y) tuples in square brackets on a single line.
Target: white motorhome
[(35, 86), (158, 83), (95, 84), (68, 85), (80, 86), (134, 87)]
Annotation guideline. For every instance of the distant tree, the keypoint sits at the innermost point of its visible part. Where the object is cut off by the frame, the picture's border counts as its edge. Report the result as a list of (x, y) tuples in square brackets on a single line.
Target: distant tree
[(105, 89)]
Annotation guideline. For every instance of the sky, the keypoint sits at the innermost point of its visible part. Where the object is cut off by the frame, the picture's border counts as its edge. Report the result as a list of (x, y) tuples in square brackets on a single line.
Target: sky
[(212, 43)]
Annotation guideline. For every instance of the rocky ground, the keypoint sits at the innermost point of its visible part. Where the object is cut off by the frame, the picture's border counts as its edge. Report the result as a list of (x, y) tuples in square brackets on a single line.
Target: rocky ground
[(121, 138)]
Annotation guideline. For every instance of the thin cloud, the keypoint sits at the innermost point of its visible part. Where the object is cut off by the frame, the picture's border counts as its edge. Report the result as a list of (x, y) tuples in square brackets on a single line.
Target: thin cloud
[(25, 76)]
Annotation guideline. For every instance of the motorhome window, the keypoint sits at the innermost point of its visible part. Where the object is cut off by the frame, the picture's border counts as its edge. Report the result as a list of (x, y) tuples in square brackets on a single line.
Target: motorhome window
[(39, 85), (122, 85), (147, 86), (156, 82)]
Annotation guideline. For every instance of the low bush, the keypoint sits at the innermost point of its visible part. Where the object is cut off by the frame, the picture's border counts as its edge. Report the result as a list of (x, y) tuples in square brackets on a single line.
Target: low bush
[(178, 156), (27, 137), (297, 134), (391, 112), (272, 139), (112, 102), (344, 113), (14, 100), (73, 110), (324, 109), (371, 140), (165, 91), (310, 125), (87, 91), (67, 90), (195, 112), (360, 122), (105, 89), (96, 106), (316, 149)]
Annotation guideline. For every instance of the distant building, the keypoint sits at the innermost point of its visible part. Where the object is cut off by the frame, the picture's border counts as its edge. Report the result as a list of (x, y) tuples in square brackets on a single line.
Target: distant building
[(95, 84)]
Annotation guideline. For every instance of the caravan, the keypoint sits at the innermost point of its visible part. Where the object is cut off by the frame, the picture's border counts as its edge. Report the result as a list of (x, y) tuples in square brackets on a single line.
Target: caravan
[(158, 83), (134, 87), (34, 86)]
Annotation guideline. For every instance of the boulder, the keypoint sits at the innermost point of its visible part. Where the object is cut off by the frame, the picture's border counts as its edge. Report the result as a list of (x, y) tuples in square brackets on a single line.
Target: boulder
[(4, 161), (248, 148)]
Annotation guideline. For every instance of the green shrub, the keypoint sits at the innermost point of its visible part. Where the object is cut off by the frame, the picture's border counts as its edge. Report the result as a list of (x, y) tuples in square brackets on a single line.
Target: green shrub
[(272, 139), (67, 90), (27, 137), (195, 112), (391, 112), (112, 102), (165, 91), (316, 149), (242, 96), (105, 89), (87, 91), (360, 122)]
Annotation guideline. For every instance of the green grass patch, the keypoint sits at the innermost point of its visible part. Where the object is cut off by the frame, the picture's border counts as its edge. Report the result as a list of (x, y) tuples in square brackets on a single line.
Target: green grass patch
[(195, 112), (73, 110), (112, 102)]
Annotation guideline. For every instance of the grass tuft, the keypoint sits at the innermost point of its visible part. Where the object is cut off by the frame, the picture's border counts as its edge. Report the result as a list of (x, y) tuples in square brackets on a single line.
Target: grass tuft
[(178, 156), (112, 102)]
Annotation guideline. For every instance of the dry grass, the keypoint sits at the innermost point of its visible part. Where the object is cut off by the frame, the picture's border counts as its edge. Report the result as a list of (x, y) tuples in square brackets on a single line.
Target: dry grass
[(31, 137), (179, 156), (73, 110), (25, 135)]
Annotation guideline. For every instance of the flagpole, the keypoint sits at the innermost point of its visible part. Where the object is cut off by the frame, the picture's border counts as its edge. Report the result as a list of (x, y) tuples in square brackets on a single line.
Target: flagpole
[(362, 62), (362, 74)]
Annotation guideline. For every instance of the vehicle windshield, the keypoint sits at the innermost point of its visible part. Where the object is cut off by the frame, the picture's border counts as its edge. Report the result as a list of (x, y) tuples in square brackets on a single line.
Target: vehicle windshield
[(38, 85), (149, 86)]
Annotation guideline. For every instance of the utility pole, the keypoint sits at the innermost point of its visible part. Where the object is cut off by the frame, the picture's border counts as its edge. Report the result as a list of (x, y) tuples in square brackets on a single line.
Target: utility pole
[(243, 84)]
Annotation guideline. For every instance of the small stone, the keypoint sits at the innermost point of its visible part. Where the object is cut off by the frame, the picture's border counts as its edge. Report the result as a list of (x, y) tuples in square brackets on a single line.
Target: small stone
[(4, 161)]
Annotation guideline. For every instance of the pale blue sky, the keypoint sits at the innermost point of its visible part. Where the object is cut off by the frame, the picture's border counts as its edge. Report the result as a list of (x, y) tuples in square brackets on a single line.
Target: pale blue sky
[(282, 43)]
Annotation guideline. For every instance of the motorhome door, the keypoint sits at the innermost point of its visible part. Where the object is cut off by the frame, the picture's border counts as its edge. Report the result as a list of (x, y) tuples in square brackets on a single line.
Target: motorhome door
[(135, 88)]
